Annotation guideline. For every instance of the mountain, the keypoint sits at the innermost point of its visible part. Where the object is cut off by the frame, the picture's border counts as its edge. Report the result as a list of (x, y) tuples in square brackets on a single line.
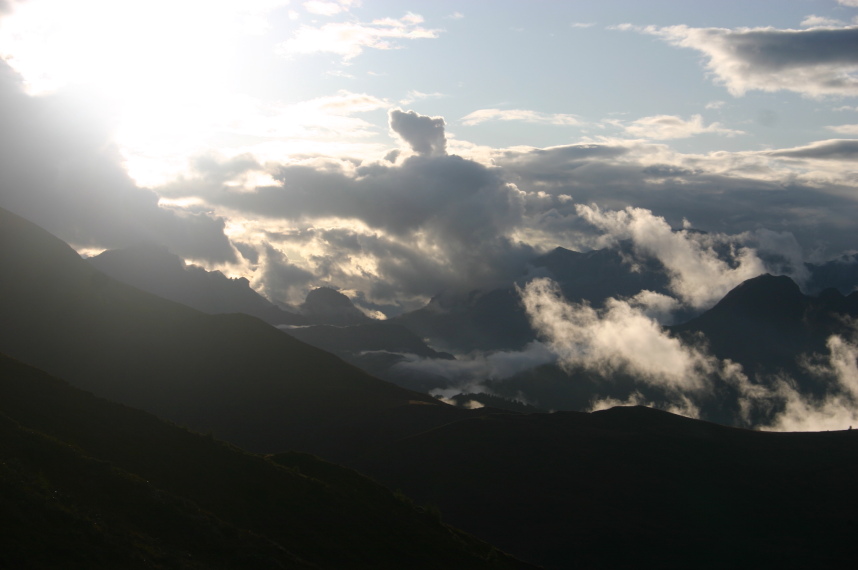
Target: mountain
[(231, 374), (374, 347), (85, 483), (496, 320), (326, 306), (840, 274), (636, 488), (766, 323), (155, 269)]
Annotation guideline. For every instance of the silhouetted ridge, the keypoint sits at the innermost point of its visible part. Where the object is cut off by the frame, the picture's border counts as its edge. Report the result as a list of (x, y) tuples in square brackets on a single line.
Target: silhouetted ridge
[(155, 269), (231, 374), (326, 306), (769, 297)]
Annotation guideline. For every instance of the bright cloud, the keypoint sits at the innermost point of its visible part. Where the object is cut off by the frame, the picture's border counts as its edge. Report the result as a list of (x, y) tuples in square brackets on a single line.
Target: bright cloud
[(523, 115), (349, 39), (698, 274), (618, 338), (663, 127)]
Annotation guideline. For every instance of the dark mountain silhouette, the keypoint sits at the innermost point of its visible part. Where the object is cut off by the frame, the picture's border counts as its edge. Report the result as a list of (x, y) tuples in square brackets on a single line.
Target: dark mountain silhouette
[(766, 323), (155, 269), (326, 306), (230, 374), (596, 275), (636, 488), (840, 274), (374, 347), (85, 483), (496, 320)]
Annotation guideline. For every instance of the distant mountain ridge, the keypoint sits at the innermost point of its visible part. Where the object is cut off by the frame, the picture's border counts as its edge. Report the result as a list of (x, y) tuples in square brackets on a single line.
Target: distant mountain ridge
[(230, 374), (154, 269)]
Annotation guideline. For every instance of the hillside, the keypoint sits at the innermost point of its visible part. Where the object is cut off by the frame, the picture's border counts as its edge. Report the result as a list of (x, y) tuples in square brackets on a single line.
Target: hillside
[(636, 488), (232, 374), (85, 483)]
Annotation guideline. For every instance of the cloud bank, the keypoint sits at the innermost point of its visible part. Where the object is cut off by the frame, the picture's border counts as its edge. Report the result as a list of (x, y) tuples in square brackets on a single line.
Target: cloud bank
[(815, 62)]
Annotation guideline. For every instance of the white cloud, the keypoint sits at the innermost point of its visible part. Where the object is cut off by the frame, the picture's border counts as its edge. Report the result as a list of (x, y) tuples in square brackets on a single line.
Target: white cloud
[(852, 3), (838, 409), (523, 115), (815, 62), (813, 21), (618, 338), (663, 127), (349, 39), (844, 129), (323, 8), (414, 95), (697, 273)]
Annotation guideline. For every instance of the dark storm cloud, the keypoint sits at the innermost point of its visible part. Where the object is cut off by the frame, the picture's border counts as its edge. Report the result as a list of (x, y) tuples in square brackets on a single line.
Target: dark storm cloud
[(816, 62), (719, 193), (775, 50), (59, 169), (424, 134), (832, 150)]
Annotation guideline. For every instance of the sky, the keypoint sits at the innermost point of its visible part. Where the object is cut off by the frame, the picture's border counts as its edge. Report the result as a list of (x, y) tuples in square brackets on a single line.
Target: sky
[(395, 150)]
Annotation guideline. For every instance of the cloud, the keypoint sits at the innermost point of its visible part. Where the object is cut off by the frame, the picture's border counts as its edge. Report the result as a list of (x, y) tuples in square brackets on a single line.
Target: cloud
[(837, 408), (622, 339), (662, 127), (814, 62), (424, 134), (523, 115), (349, 39), (844, 129), (395, 230), (852, 3), (413, 96), (323, 8), (698, 274), (806, 191), (814, 21), (618, 338), (278, 279), (821, 150), (468, 374)]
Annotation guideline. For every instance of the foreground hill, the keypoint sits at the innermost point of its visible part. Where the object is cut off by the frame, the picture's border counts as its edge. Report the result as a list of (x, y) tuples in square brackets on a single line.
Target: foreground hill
[(232, 374), (85, 483), (636, 488)]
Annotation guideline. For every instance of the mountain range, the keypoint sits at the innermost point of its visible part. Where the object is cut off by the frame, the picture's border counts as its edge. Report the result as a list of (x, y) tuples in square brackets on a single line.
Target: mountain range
[(625, 487)]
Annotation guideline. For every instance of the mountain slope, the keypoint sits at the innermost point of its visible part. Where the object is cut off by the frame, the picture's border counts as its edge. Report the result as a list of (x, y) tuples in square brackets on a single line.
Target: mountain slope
[(766, 323), (230, 374), (154, 269), (85, 483), (636, 488)]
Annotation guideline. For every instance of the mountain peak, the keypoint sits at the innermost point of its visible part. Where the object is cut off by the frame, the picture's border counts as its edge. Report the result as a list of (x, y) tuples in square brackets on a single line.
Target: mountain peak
[(328, 306), (775, 296)]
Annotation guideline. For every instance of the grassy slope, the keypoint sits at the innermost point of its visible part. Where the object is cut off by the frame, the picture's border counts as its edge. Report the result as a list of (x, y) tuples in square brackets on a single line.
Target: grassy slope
[(86, 483)]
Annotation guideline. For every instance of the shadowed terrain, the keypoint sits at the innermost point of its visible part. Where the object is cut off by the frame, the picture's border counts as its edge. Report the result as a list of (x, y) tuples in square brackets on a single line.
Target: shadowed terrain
[(636, 488), (85, 483), (230, 374)]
